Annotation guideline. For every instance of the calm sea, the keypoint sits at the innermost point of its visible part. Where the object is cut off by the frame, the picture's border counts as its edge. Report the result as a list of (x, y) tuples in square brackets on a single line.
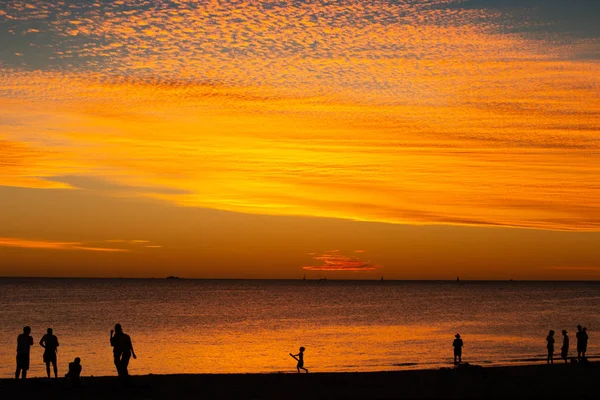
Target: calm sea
[(212, 326)]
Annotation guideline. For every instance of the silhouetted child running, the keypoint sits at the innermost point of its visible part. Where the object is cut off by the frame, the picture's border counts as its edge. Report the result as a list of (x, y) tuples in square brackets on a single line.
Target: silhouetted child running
[(74, 371), (300, 358), (458, 345), (550, 347)]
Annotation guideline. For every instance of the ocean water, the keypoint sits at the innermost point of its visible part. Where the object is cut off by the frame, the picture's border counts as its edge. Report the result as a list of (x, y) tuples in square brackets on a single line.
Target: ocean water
[(231, 326)]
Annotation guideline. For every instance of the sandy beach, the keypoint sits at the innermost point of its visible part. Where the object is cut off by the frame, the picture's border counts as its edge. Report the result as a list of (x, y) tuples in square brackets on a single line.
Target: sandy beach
[(557, 381)]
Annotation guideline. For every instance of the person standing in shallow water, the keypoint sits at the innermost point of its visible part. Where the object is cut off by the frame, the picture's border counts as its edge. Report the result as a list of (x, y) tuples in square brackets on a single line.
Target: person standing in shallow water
[(458, 345), (122, 350), (24, 343), (564, 350), (50, 344), (550, 347), (300, 358)]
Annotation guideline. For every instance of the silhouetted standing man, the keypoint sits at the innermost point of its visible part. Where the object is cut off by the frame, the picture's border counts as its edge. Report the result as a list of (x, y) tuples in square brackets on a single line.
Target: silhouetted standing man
[(24, 343), (564, 350), (458, 345), (50, 344), (581, 343), (122, 350)]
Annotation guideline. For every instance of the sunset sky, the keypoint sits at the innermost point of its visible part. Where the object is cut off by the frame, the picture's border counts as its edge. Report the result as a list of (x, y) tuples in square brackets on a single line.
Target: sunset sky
[(411, 139)]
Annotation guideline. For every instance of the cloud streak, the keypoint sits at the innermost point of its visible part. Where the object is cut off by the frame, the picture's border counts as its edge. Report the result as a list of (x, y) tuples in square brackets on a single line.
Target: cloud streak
[(54, 245), (334, 260)]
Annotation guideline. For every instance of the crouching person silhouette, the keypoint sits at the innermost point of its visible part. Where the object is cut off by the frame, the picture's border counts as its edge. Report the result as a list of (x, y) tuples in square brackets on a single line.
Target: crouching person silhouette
[(74, 372)]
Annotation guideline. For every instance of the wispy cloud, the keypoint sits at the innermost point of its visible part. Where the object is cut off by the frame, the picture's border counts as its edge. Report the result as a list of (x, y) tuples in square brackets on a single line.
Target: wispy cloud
[(128, 241), (54, 245), (334, 260), (100, 185)]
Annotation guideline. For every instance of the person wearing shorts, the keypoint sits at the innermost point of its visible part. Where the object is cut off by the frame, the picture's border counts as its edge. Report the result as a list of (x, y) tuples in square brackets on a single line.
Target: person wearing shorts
[(50, 344)]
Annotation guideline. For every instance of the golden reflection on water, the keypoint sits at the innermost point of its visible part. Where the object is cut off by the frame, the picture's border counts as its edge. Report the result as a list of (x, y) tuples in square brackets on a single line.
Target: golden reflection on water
[(328, 349), (252, 326)]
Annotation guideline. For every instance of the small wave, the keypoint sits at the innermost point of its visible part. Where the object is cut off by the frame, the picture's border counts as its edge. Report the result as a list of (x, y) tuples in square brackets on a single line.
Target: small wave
[(533, 359), (408, 364), (539, 358)]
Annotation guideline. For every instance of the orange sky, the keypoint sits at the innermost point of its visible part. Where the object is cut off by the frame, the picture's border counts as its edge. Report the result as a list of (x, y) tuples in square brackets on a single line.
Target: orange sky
[(415, 140)]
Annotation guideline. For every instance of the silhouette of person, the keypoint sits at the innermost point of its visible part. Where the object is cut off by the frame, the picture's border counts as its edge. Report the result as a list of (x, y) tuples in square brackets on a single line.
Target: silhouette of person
[(122, 350), (300, 358), (24, 343), (458, 345), (564, 350), (550, 347), (50, 344), (582, 338), (74, 371), (585, 343)]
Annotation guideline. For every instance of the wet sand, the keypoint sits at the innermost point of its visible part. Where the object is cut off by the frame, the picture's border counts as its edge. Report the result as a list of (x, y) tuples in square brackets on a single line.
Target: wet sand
[(533, 381)]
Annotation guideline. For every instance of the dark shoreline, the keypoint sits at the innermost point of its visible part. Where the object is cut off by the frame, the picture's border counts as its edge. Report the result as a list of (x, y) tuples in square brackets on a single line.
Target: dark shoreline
[(532, 381)]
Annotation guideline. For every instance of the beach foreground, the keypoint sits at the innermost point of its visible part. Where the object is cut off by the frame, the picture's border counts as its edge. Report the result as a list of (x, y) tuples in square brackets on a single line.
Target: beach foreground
[(555, 381)]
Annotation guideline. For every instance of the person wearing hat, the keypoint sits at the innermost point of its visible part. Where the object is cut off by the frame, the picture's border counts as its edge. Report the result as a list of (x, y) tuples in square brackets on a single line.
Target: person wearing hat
[(457, 344), (564, 350)]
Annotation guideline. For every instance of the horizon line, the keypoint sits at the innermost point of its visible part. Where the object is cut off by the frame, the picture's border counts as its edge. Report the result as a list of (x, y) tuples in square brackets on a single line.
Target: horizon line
[(173, 277)]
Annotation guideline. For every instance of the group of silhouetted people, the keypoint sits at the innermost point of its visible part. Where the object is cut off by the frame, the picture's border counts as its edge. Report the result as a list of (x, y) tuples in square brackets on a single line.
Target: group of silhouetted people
[(50, 344), (582, 341), (123, 351), (120, 342)]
